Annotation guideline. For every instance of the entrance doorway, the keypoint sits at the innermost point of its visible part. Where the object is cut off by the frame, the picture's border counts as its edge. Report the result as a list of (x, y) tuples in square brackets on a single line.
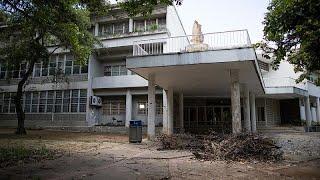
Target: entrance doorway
[(202, 119)]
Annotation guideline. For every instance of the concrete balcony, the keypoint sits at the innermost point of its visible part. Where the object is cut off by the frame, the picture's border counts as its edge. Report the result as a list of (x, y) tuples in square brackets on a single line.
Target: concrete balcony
[(128, 81), (284, 86), (313, 89)]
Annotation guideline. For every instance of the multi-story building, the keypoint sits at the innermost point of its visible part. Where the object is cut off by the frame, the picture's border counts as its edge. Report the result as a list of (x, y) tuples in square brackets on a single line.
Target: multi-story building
[(149, 70)]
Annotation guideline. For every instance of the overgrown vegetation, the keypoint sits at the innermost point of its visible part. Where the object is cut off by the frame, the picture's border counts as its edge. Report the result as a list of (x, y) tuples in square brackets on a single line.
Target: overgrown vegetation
[(239, 147), (14, 155)]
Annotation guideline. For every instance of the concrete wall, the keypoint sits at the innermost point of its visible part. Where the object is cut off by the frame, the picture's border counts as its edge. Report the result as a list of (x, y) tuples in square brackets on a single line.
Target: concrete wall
[(174, 24), (273, 112), (44, 120)]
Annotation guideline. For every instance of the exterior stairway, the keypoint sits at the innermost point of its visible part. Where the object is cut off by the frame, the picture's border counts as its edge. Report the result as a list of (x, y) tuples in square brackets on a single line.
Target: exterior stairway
[(281, 129)]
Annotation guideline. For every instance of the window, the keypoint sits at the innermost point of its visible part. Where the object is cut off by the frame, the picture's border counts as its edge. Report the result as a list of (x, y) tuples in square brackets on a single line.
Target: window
[(76, 68), (47, 101), (142, 107), (150, 24), (116, 70), (66, 101), (107, 70), (114, 107), (68, 68), (43, 102), (1, 102), (139, 26), (37, 70), (58, 102), (52, 65), (159, 107), (3, 70), (60, 64), (106, 29), (114, 28), (35, 102), (74, 100), (27, 102), (50, 102), (162, 23), (83, 100)]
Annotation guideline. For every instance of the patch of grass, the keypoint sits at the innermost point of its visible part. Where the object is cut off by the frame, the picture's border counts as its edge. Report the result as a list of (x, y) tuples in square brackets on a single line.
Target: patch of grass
[(14, 155)]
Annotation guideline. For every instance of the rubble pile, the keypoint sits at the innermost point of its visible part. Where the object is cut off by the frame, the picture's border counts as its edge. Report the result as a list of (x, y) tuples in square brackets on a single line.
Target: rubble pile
[(239, 147)]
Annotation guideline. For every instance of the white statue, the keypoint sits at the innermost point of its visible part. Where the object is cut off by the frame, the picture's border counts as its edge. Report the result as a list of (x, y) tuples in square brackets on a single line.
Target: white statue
[(197, 39), (197, 36)]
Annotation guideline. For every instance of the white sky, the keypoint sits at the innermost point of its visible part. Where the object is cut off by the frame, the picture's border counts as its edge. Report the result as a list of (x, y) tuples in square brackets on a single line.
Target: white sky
[(225, 15)]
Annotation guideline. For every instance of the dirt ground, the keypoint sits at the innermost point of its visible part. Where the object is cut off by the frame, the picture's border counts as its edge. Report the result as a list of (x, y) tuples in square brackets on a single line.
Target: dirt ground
[(108, 156)]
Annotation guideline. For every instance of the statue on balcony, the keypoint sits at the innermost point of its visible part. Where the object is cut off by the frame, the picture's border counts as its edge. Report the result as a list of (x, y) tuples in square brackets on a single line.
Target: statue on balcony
[(197, 36), (197, 39)]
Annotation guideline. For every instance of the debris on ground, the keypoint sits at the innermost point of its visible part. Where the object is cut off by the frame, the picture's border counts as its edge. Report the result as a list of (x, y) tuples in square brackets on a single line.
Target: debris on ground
[(239, 147), (14, 155)]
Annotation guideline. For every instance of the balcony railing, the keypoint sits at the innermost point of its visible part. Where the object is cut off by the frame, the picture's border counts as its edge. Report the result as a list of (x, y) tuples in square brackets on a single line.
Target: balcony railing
[(211, 41)]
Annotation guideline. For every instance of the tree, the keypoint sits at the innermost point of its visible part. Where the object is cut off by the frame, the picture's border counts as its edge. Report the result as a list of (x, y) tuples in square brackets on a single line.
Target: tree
[(27, 26), (292, 33)]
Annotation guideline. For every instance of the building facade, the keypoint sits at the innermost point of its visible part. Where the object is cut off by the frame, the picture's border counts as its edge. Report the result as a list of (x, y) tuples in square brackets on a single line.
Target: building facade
[(147, 69)]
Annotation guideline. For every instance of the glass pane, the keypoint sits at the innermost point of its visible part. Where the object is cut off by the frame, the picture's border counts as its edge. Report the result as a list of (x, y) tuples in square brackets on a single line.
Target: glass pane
[(84, 69), (74, 107), (76, 69)]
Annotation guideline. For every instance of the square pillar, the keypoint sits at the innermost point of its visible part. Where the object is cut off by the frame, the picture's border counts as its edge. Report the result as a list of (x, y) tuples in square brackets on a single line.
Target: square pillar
[(130, 25), (151, 108), (181, 112), (96, 29), (235, 101), (128, 107), (307, 110), (170, 111), (165, 112), (318, 109), (253, 113), (246, 110)]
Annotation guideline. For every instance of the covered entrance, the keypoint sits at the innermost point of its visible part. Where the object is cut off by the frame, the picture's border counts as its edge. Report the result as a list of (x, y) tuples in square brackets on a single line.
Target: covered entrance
[(206, 70)]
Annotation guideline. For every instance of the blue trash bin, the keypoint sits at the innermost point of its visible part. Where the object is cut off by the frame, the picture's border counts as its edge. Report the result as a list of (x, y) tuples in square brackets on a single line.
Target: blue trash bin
[(135, 131)]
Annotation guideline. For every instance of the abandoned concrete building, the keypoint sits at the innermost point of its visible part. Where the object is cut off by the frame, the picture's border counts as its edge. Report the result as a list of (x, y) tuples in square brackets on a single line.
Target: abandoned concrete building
[(149, 69)]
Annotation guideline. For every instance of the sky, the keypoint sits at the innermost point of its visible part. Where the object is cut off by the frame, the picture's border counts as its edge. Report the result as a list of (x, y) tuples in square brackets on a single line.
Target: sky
[(225, 15)]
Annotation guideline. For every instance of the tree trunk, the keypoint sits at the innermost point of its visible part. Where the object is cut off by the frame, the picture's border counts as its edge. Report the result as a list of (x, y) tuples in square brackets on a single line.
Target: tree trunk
[(20, 113)]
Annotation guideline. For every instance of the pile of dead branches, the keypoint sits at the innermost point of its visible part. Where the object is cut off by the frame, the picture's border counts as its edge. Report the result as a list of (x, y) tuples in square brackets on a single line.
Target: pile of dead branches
[(240, 147)]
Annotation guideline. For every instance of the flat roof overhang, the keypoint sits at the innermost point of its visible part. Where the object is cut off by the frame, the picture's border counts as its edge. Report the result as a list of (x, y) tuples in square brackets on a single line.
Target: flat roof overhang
[(289, 92), (205, 73)]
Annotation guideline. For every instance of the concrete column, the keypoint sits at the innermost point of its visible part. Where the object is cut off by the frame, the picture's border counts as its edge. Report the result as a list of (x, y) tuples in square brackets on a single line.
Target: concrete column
[(151, 108), (246, 110), (96, 29), (165, 112), (253, 113), (235, 101), (318, 109), (307, 110), (128, 107), (130, 25), (170, 111), (302, 112), (181, 112)]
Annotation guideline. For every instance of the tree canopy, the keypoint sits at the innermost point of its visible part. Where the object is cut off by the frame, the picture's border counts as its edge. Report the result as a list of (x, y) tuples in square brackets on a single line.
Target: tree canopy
[(292, 33), (29, 26)]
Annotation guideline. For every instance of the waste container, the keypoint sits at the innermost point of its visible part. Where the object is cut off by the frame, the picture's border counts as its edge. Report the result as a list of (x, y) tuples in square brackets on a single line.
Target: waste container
[(135, 131)]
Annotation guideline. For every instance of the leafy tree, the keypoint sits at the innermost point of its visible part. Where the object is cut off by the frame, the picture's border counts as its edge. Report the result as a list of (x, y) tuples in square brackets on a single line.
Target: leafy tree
[(292, 33), (27, 26)]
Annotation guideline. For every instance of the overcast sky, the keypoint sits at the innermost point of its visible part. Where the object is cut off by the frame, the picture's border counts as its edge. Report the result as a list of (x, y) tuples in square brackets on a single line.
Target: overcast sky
[(225, 15)]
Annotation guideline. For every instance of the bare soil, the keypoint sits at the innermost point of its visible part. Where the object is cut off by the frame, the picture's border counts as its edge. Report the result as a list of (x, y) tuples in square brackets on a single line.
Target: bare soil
[(109, 156)]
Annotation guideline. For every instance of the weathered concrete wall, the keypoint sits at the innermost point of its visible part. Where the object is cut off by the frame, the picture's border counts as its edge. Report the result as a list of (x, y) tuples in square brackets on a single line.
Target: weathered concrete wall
[(44, 120)]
